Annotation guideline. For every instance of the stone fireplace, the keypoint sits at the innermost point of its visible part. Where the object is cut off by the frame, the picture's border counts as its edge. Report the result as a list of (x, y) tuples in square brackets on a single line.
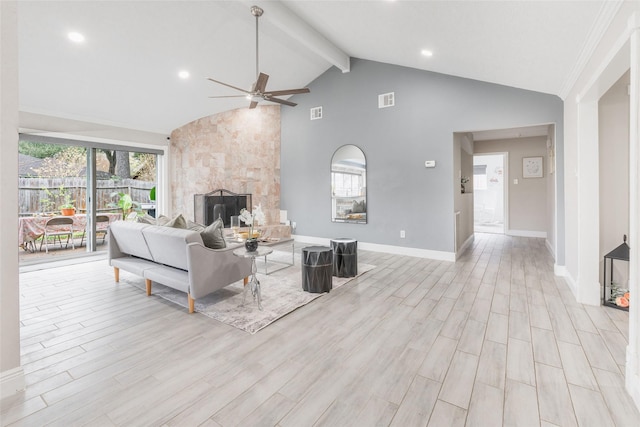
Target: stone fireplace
[(237, 150)]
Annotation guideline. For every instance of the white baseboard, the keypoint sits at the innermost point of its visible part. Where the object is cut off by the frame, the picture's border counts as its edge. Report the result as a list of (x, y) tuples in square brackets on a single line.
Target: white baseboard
[(527, 233), (465, 245), (374, 247), (11, 382), (561, 271), (551, 248), (632, 380)]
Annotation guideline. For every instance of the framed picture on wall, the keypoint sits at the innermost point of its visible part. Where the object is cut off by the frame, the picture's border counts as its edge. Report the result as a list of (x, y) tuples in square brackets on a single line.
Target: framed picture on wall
[(532, 167)]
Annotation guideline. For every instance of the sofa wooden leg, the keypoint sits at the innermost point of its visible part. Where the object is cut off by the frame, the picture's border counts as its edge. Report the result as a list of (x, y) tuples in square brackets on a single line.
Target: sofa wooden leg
[(116, 272), (192, 303), (246, 280), (148, 282)]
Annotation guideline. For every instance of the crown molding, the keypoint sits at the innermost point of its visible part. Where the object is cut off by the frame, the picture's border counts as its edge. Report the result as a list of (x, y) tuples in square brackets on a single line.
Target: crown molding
[(607, 12)]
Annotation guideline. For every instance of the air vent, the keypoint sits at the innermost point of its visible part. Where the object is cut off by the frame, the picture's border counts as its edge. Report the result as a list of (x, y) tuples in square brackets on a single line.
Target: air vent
[(386, 100), (316, 113)]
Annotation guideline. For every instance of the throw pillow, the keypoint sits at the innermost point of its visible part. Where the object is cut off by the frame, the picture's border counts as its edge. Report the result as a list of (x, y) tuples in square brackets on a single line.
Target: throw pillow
[(146, 219), (195, 226), (177, 222), (212, 236), (162, 220)]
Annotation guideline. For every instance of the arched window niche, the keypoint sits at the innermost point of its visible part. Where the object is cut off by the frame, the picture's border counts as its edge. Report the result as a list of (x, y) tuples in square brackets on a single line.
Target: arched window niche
[(349, 185)]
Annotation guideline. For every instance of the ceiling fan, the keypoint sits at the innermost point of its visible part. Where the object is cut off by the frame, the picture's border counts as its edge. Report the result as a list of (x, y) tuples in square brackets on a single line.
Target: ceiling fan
[(258, 91)]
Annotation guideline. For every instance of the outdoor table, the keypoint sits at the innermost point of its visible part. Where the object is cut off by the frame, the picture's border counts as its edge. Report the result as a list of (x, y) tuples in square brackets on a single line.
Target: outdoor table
[(31, 228)]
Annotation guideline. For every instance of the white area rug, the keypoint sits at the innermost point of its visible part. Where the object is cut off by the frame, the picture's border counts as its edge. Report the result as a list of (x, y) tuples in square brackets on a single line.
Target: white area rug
[(281, 294)]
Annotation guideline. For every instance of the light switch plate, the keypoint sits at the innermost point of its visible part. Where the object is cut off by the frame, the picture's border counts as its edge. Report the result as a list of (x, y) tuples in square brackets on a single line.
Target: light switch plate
[(430, 164)]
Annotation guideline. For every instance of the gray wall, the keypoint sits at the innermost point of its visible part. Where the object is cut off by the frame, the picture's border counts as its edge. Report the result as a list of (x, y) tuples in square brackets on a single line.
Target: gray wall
[(401, 193)]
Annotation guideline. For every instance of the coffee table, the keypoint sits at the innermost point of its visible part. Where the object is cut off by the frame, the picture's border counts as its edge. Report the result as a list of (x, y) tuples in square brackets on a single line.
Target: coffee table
[(272, 243), (254, 283)]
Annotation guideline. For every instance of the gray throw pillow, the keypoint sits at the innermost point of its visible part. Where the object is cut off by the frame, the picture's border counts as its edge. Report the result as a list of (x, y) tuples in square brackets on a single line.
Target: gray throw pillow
[(194, 226), (162, 220), (212, 235), (146, 219), (177, 222)]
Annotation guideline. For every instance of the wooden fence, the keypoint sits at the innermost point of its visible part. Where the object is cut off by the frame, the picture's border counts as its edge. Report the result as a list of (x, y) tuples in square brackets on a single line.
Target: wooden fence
[(34, 198)]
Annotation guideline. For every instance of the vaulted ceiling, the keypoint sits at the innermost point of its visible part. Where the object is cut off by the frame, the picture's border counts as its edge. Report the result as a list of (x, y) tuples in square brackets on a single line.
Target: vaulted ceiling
[(125, 73)]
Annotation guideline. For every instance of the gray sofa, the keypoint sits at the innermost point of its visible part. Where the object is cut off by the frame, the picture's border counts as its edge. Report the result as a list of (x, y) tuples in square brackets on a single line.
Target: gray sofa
[(173, 257)]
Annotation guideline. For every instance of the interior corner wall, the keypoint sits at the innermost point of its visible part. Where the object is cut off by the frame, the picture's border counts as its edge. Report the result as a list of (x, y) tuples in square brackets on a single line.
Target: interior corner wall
[(613, 129), (237, 150), (528, 199), (11, 375), (401, 193), (572, 144)]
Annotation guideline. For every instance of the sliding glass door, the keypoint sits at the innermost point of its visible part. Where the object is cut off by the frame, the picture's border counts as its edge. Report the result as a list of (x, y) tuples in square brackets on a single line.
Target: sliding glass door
[(88, 186)]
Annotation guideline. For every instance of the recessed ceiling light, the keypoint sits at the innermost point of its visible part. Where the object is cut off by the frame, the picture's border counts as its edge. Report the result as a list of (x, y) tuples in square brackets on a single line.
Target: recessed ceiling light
[(75, 37), (426, 52), (183, 74)]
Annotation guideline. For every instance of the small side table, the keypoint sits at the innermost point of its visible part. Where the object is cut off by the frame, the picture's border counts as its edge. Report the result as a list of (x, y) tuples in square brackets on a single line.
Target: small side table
[(316, 269), (254, 283), (345, 257)]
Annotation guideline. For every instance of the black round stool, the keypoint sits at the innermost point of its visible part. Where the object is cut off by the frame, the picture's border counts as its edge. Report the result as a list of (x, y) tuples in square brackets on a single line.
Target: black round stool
[(345, 257), (316, 269)]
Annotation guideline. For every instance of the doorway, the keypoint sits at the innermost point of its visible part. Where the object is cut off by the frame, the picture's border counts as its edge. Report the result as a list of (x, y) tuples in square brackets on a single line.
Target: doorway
[(489, 193)]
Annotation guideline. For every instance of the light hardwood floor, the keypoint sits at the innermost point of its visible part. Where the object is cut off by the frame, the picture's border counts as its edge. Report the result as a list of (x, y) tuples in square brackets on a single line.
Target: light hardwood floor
[(493, 339)]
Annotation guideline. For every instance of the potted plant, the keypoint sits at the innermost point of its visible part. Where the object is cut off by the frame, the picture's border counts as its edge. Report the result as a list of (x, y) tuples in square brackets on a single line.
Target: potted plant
[(125, 203), (251, 219), (67, 208)]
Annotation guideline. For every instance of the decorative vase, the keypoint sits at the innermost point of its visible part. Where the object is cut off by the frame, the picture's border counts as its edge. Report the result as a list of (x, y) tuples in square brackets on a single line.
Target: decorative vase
[(251, 244)]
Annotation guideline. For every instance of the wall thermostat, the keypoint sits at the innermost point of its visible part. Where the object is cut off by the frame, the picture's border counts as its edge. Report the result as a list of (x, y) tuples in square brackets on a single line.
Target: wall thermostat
[(430, 164)]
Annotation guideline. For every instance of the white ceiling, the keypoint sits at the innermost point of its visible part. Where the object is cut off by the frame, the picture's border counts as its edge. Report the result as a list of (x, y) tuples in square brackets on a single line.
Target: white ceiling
[(125, 74)]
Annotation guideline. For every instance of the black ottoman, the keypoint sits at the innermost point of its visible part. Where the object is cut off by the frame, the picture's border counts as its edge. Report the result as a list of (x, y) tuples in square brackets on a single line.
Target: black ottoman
[(345, 257), (317, 264)]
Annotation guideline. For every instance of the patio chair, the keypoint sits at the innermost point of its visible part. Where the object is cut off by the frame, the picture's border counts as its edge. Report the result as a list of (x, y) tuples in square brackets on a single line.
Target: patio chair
[(58, 227), (99, 219)]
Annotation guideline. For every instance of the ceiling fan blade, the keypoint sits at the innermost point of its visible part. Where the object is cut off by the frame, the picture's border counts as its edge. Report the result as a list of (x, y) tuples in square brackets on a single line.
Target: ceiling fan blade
[(253, 104), (281, 101), (287, 92), (229, 96), (261, 83), (227, 85)]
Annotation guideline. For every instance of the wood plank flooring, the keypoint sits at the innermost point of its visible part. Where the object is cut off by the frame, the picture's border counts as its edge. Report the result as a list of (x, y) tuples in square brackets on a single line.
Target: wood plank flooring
[(493, 339)]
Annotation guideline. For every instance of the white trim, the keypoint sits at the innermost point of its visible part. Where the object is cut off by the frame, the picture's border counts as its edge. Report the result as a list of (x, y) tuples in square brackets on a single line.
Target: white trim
[(527, 233), (632, 380), (375, 247), (606, 14), (11, 382), (592, 90), (561, 271), (465, 245), (550, 247)]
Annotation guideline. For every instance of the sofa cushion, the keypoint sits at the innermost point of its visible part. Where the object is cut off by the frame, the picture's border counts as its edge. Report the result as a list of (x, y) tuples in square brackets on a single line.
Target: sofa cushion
[(129, 238), (168, 245), (212, 235)]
